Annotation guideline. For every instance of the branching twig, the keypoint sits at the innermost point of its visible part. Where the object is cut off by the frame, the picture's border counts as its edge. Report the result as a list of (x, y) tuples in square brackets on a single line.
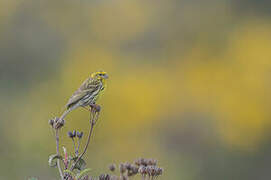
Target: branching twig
[(93, 117)]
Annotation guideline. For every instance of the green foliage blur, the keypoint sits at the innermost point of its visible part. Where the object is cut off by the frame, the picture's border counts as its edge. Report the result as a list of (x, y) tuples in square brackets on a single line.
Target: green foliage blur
[(190, 84)]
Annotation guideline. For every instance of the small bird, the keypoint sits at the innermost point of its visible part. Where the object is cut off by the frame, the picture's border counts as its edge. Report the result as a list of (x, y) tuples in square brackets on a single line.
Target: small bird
[(88, 93)]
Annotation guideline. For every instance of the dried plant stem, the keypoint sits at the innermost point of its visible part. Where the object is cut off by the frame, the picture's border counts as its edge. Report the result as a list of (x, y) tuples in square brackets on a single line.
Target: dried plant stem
[(78, 145), (57, 151), (75, 151), (93, 118)]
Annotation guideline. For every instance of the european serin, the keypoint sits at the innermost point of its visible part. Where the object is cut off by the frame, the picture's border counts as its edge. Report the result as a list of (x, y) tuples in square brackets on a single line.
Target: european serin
[(88, 92)]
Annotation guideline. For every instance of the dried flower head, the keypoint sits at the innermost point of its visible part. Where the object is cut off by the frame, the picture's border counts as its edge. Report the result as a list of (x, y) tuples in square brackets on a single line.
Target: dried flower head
[(58, 123), (104, 177), (154, 171), (74, 133), (142, 170), (143, 162), (98, 108), (151, 162), (70, 134), (122, 168), (134, 169), (112, 167), (107, 177), (151, 170), (79, 135), (127, 165), (51, 122), (159, 171)]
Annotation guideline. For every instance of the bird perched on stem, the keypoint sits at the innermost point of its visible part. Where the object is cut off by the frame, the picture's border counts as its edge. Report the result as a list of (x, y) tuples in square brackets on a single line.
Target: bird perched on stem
[(88, 93)]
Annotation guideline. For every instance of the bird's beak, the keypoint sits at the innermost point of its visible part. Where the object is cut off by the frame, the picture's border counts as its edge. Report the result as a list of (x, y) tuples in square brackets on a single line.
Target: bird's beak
[(105, 76)]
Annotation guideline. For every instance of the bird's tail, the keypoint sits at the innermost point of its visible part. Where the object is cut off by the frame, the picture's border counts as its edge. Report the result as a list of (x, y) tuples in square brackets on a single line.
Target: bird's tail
[(67, 111)]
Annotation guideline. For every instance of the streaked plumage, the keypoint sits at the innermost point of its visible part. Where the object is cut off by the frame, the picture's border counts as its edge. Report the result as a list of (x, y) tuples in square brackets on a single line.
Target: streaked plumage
[(88, 92)]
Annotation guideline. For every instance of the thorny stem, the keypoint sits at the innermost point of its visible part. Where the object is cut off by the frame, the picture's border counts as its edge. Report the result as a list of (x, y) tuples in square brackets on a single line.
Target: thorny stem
[(57, 151), (94, 117)]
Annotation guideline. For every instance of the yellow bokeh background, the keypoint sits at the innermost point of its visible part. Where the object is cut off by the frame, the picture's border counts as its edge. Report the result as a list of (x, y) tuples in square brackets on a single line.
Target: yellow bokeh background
[(189, 84)]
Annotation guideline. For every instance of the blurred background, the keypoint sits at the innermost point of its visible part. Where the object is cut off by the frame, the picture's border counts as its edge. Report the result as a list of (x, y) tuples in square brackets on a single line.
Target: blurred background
[(189, 85)]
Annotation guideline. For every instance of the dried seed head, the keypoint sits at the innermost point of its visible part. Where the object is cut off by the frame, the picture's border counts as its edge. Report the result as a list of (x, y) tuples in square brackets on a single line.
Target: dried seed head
[(51, 122), (74, 133), (143, 162), (148, 162), (151, 170), (70, 134), (142, 170), (112, 167), (140, 161), (107, 177), (128, 166), (159, 171), (104, 177), (137, 161), (151, 162), (122, 168), (58, 123), (79, 135), (134, 169), (98, 108)]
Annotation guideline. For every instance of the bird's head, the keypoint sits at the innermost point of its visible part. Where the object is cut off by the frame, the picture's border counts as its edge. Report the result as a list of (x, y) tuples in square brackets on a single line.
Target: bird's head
[(100, 75)]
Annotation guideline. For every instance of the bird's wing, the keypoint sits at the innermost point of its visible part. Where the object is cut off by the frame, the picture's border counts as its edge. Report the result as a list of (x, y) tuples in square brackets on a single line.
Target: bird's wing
[(87, 87), (77, 95)]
